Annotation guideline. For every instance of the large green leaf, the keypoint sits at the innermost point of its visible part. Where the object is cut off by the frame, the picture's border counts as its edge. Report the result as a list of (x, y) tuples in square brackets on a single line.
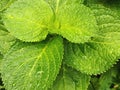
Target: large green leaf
[(102, 51), (6, 40), (75, 22), (32, 66), (70, 79), (28, 20)]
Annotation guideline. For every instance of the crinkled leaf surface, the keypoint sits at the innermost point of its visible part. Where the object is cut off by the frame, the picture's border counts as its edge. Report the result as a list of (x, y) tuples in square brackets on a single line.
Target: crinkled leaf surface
[(32, 66), (27, 20), (76, 22), (102, 51), (70, 79), (6, 40)]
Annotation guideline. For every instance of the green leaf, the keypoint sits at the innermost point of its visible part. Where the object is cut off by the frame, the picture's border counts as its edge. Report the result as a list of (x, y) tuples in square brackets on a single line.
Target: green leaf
[(1, 57), (89, 2), (70, 79), (114, 5), (57, 3), (32, 66), (28, 20), (106, 80), (54, 16), (6, 40), (94, 83), (1, 22), (4, 4), (102, 51), (76, 22)]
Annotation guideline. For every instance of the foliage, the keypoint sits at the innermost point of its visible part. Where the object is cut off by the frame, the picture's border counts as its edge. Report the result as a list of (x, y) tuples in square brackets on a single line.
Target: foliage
[(59, 44)]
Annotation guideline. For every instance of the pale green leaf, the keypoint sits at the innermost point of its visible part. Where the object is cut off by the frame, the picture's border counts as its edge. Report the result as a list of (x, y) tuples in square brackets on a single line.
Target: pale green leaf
[(28, 20), (6, 40), (76, 22), (102, 51), (70, 79), (32, 66)]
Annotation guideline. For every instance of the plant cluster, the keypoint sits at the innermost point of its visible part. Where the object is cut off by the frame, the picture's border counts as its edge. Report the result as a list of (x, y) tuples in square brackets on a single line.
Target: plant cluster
[(60, 44)]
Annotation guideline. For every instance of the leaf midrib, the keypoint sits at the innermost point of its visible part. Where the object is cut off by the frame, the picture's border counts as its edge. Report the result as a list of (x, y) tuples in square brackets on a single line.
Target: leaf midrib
[(38, 58)]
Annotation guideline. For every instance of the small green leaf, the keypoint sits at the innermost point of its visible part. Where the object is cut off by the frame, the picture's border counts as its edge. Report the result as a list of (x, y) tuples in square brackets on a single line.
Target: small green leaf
[(70, 79), (32, 66), (102, 51), (6, 40), (76, 22), (28, 20)]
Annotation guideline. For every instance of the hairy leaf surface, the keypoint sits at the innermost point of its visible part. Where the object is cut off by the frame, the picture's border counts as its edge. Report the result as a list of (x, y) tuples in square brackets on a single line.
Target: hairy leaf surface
[(32, 66), (28, 20), (70, 79), (102, 51)]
